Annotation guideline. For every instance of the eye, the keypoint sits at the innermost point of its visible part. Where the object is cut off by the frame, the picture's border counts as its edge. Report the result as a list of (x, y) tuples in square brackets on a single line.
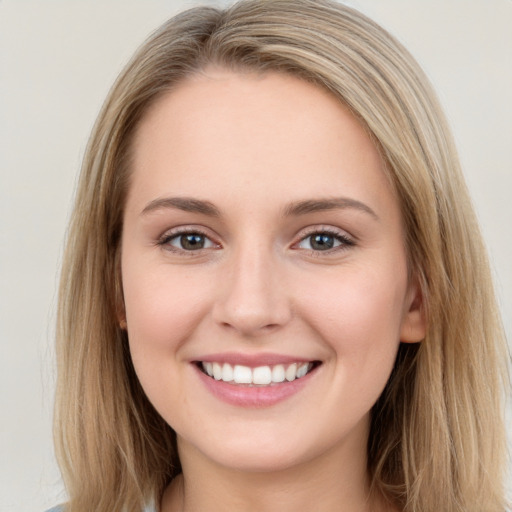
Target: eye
[(189, 241), (322, 241)]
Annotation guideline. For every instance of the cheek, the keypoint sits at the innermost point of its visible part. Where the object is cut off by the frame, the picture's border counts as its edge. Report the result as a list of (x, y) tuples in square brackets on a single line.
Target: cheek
[(163, 305), (358, 313)]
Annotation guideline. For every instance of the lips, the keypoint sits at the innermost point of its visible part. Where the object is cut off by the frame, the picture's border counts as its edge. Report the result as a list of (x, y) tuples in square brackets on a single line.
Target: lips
[(254, 380)]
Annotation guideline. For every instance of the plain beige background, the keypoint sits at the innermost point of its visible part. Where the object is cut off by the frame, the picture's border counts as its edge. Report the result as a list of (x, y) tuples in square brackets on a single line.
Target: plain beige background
[(57, 61)]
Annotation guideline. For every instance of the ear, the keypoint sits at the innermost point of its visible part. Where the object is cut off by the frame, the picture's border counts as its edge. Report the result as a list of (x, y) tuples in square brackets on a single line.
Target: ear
[(414, 321), (119, 309)]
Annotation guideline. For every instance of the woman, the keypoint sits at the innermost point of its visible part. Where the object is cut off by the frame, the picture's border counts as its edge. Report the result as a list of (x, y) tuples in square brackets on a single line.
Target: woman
[(274, 294)]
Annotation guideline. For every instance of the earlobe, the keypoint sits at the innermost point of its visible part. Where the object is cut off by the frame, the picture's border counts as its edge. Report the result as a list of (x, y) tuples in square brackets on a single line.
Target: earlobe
[(120, 311), (414, 322)]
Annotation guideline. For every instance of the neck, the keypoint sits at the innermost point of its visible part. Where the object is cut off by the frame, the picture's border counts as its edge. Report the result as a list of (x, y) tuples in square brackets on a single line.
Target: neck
[(334, 482)]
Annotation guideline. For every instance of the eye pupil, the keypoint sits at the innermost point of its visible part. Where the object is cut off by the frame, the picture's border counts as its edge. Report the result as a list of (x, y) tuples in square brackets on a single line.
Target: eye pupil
[(192, 241), (321, 242)]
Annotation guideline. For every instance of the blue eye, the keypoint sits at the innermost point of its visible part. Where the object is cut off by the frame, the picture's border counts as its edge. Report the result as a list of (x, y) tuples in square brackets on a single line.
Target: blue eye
[(188, 241), (324, 241)]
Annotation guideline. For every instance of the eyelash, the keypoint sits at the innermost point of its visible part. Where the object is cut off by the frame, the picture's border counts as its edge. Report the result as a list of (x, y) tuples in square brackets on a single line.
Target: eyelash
[(344, 241), (164, 240)]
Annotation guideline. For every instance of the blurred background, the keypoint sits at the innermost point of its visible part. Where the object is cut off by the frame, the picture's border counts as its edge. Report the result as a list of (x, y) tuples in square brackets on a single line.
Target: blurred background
[(58, 59)]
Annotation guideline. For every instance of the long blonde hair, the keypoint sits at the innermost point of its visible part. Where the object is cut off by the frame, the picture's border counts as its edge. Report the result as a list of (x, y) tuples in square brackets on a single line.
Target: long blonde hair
[(437, 439)]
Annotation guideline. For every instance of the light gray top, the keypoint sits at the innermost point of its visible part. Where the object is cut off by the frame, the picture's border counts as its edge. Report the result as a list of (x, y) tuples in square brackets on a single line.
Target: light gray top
[(61, 508)]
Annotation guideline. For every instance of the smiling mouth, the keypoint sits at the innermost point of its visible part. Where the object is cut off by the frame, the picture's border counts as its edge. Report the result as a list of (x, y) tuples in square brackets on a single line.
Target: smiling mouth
[(259, 376)]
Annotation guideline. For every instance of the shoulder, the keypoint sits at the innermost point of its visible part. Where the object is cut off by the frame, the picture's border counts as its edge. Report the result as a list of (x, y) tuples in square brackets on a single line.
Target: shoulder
[(61, 508)]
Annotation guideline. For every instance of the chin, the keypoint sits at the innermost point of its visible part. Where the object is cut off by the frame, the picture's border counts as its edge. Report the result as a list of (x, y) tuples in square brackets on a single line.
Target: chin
[(256, 460)]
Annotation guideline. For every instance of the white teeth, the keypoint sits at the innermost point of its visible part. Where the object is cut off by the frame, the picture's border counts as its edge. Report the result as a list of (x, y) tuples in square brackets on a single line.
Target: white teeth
[(278, 374), (227, 372), (242, 374), (208, 368), (291, 372), (302, 370), (217, 371), (260, 376)]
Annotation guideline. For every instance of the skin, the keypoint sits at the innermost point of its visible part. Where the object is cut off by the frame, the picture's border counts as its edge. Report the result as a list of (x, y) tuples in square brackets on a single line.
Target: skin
[(251, 146)]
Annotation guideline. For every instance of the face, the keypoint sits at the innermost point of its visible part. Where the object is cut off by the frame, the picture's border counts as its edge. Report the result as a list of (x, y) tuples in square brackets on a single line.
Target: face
[(264, 270)]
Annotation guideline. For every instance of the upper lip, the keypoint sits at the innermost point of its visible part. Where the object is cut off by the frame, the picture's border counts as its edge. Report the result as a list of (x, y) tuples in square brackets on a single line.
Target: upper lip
[(252, 360)]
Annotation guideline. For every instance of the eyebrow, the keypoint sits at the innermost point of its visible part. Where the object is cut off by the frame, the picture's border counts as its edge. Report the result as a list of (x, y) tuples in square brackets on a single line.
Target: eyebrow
[(322, 205), (189, 204)]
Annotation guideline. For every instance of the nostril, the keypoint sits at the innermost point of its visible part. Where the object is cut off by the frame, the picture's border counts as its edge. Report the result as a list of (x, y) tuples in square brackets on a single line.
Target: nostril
[(251, 305)]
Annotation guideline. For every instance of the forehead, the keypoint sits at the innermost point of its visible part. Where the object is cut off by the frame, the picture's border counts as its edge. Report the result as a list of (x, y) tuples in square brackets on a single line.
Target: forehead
[(269, 135)]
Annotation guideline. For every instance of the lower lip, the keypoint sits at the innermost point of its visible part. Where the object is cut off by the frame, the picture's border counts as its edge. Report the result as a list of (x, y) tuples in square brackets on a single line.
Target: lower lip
[(253, 396)]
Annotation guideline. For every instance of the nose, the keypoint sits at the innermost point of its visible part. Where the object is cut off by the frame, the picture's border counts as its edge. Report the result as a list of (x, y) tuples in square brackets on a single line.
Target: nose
[(253, 297)]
